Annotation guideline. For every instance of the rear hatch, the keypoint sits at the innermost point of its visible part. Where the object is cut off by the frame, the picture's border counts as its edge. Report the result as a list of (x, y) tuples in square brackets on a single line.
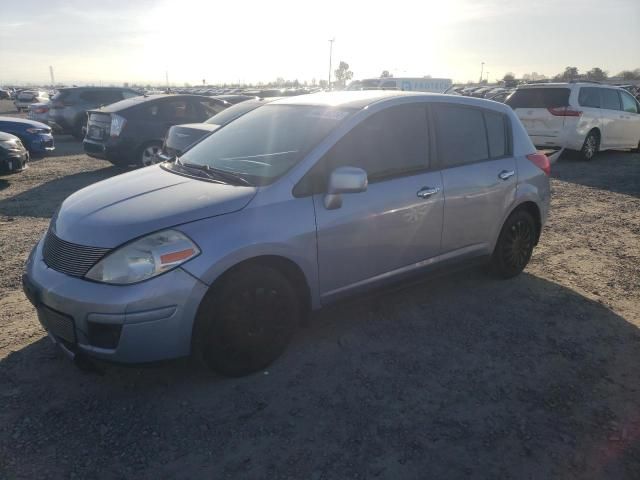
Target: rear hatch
[(98, 126), (542, 110)]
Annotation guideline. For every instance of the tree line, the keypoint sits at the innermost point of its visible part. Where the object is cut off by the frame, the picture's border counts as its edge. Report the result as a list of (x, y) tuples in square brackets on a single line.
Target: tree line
[(572, 73)]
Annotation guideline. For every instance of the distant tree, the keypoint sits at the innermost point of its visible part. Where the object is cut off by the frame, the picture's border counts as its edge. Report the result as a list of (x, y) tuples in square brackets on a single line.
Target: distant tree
[(630, 75), (596, 74), (322, 84), (386, 74), (533, 76), (343, 74), (508, 77), (279, 81), (570, 73)]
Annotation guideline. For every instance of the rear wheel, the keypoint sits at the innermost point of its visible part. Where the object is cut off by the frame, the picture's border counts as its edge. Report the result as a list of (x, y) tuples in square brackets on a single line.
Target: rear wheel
[(149, 154), (515, 245), (247, 321), (590, 146)]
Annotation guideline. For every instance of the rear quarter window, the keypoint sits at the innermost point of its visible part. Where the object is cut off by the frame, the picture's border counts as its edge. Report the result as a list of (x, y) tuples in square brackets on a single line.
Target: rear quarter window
[(539, 98), (497, 134)]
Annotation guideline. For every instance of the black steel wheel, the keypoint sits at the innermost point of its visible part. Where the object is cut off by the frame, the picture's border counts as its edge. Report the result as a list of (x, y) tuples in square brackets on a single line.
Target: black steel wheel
[(515, 245), (247, 321)]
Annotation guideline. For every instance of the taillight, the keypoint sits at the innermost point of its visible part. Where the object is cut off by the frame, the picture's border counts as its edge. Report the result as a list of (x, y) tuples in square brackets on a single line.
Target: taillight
[(41, 110), (541, 161), (564, 112), (60, 104), (117, 124)]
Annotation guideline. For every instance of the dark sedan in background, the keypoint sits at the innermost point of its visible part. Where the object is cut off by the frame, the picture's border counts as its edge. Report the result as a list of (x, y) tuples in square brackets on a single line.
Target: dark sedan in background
[(181, 137), (13, 155), (131, 132), (34, 135)]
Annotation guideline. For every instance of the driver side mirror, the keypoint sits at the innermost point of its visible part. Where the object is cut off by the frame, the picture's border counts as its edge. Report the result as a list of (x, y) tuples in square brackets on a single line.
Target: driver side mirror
[(344, 180)]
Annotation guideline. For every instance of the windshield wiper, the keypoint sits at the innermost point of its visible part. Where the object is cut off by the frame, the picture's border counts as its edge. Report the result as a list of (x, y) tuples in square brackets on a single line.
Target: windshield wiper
[(228, 176)]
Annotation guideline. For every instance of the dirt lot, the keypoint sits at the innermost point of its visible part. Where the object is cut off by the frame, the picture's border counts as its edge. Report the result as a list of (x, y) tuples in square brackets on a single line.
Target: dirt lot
[(463, 376)]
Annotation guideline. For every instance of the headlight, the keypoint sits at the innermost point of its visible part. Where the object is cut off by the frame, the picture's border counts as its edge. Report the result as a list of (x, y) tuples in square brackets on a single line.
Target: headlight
[(144, 258)]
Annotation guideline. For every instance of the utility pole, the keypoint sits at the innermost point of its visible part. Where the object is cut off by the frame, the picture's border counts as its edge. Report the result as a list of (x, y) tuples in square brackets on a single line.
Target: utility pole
[(53, 79), (481, 71), (166, 77), (487, 77), (330, 56)]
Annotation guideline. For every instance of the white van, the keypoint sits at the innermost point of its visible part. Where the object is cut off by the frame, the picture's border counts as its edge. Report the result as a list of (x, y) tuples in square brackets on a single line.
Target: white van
[(583, 117), (425, 84)]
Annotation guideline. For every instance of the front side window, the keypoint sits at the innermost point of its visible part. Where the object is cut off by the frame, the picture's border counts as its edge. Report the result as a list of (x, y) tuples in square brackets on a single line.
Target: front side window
[(629, 104), (589, 97), (389, 143), (461, 135), (265, 143), (610, 99)]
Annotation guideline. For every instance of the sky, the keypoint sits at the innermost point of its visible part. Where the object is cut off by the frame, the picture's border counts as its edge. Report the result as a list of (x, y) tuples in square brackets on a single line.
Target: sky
[(116, 41)]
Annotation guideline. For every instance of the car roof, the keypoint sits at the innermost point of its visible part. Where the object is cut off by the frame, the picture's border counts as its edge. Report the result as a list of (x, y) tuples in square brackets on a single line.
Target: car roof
[(346, 98), (566, 85), (133, 101)]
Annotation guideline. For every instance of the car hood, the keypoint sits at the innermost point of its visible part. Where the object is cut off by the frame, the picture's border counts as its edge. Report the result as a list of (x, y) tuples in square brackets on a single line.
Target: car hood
[(23, 122), (114, 211)]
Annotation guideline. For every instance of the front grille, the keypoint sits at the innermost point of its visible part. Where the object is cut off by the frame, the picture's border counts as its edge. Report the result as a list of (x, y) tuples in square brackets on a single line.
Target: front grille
[(70, 258)]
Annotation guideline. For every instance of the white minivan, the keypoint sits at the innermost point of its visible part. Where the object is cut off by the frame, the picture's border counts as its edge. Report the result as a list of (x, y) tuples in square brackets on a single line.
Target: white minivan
[(583, 117)]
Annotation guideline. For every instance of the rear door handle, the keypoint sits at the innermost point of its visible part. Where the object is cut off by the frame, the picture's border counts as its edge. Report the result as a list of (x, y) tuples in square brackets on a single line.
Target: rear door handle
[(506, 174), (426, 192)]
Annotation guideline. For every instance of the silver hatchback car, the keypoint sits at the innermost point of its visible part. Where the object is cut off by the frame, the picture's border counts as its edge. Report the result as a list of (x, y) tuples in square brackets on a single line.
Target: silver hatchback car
[(288, 208)]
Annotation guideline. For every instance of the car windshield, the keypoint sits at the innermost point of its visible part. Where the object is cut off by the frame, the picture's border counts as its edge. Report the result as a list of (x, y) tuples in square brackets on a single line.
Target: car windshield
[(266, 142)]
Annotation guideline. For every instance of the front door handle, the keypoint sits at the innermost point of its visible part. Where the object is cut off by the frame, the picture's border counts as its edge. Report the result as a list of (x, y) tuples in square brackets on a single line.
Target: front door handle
[(506, 174), (426, 192)]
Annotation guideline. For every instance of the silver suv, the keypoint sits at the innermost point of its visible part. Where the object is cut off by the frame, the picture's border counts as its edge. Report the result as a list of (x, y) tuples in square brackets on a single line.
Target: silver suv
[(288, 208)]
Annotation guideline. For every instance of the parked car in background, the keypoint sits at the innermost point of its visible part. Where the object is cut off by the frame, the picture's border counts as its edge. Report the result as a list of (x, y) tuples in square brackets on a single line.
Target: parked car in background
[(500, 96), (27, 97), (582, 117), (13, 155), (287, 208), (5, 94), (68, 107), (180, 137), (35, 136), (131, 132), (39, 112)]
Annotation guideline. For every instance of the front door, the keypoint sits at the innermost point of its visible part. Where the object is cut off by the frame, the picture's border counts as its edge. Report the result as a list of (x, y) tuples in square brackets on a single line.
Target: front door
[(394, 226)]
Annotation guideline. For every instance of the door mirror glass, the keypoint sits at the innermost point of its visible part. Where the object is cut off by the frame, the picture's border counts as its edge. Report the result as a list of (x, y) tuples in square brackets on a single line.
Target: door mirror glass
[(344, 180)]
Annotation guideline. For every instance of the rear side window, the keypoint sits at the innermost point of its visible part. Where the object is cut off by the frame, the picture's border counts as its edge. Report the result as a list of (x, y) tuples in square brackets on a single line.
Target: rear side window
[(539, 98), (211, 107), (129, 94), (589, 97), (610, 99), (629, 104), (461, 135), (497, 134), (177, 110), (390, 143)]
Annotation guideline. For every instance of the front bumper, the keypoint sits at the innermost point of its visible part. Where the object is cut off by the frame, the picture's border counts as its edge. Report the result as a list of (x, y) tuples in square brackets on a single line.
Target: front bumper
[(40, 143), (146, 322), (14, 163)]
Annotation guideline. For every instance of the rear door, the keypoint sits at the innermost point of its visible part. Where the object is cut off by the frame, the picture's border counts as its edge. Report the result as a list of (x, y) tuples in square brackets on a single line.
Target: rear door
[(479, 176), (543, 112), (613, 124), (631, 114)]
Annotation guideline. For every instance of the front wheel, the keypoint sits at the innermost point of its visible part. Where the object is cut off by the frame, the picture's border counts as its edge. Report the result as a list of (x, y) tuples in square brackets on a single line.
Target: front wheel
[(515, 245), (247, 321)]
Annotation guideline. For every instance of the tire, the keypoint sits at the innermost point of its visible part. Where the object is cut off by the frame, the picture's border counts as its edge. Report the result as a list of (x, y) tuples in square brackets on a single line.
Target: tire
[(77, 132), (247, 321), (148, 154), (515, 245), (590, 146)]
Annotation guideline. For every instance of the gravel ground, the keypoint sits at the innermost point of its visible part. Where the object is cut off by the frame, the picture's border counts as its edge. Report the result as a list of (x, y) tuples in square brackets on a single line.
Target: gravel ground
[(462, 376)]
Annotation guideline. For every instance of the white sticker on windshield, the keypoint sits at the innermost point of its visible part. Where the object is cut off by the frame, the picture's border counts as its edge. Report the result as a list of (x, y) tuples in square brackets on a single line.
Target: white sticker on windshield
[(327, 114)]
